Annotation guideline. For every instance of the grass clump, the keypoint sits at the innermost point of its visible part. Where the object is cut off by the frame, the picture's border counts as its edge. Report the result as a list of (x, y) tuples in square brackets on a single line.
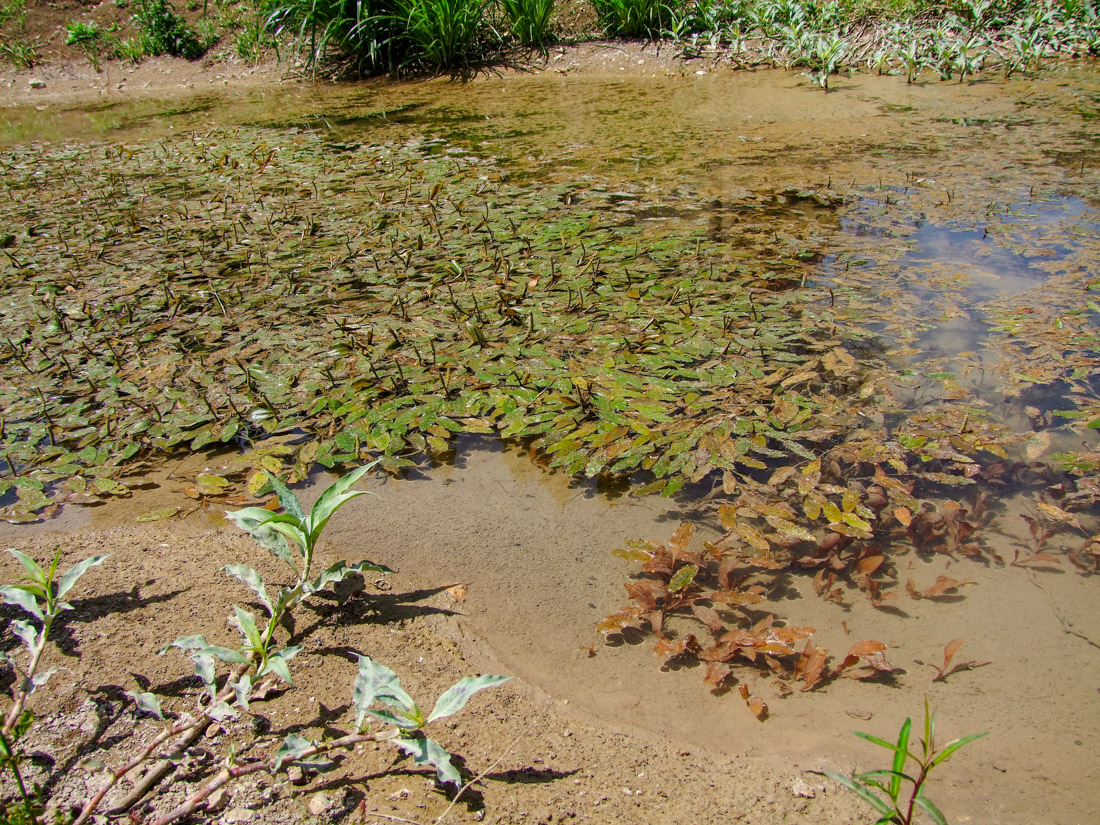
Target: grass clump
[(165, 32), (13, 11), (23, 54), (440, 33), (635, 18), (91, 39), (529, 21), (384, 35), (904, 37)]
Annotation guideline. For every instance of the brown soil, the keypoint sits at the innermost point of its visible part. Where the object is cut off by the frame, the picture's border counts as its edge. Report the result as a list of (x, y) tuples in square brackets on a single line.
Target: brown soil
[(544, 759)]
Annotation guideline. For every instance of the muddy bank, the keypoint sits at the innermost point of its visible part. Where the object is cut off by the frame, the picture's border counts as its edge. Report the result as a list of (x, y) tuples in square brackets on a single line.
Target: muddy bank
[(545, 758)]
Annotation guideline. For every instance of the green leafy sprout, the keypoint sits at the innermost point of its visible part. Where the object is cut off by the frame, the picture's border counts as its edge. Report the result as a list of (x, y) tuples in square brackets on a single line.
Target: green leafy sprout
[(882, 789), (272, 531), (41, 594)]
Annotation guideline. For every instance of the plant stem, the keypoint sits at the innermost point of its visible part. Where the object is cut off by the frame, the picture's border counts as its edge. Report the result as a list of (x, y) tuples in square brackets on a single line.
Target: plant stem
[(916, 792), (228, 774), (9, 752), (191, 731), (19, 694)]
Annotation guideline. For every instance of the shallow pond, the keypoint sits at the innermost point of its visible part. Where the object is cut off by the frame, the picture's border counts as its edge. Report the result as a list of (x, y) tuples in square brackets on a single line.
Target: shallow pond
[(852, 337)]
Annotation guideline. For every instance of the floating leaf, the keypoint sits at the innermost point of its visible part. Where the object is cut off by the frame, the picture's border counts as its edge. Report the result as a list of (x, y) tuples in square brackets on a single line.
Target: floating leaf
[(159, 515)]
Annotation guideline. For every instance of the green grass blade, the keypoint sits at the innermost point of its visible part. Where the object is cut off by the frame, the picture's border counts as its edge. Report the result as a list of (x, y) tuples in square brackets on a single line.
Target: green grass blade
[(870, 775), (954, 746), (929, 741), (899, 757), (934, 812), (863, 792), (881, 743)]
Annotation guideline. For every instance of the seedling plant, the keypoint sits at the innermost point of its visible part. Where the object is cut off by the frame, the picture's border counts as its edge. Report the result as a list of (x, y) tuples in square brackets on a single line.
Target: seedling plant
[(41, 595), (885, 789)]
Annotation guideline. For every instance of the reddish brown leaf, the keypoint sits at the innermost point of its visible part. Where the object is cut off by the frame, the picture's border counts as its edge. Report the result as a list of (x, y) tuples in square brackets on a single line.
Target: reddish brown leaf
[(618, 621), (866, 648), (945, 584), (646, 593), (721, 652), (656, 621), (823, 581), (709, 617), (670, 648), (870, 564), (950, 649), (757, 706), (763, 624), (868, 654), (660, 563), (725, 572), (736, 598), (716, 675), (681, 539), (739, 638), (810, 666), (832, 543)]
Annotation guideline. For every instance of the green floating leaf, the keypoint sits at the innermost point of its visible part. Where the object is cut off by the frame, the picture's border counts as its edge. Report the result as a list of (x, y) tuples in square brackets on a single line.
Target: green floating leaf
[(158, 515)]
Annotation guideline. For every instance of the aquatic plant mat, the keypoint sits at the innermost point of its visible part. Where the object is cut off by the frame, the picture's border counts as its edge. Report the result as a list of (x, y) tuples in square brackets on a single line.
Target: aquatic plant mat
[(862, 372)]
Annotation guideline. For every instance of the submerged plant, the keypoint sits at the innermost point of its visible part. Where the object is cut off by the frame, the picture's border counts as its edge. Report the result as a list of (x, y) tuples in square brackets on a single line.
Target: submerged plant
[(884, 790)]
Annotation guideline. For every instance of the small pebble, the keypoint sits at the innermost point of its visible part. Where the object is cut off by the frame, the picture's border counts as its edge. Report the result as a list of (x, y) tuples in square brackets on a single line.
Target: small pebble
[(319, 803), (217, 800)]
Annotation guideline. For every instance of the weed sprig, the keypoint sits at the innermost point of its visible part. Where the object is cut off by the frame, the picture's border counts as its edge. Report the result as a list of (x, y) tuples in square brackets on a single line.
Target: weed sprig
[(883, 789)]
